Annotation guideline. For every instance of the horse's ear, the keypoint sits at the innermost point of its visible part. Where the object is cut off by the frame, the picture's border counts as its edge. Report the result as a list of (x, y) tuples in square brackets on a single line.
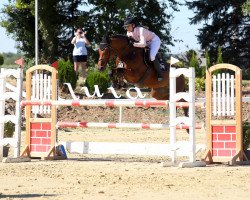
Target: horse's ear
[(98, 38), (107, 38)]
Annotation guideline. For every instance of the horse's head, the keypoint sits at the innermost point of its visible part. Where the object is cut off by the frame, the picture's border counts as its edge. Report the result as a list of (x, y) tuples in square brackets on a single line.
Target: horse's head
[(109, 47), (105, 53)]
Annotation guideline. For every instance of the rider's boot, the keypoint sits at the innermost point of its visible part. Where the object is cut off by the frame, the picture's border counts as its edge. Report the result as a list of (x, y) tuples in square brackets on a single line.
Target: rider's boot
[(158, 69)]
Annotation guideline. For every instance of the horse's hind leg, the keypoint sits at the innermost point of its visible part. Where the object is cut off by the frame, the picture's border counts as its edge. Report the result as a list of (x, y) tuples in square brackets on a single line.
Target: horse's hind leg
[(185, 110), (180, 87), (161, 93)]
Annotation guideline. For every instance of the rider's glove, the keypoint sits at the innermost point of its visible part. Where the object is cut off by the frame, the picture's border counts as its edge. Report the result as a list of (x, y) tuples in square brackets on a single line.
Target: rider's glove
[(131, 43)]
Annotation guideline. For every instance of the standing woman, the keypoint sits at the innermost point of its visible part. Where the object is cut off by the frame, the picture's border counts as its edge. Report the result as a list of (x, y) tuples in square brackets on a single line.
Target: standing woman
[(80, 51)]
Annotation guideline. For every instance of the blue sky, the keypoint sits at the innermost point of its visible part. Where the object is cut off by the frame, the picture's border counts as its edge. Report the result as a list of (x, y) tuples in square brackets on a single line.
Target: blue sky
[(181, 29)]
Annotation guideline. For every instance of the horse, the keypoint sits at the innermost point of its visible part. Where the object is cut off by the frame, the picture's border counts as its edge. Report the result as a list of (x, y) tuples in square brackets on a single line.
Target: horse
[(137, 70)]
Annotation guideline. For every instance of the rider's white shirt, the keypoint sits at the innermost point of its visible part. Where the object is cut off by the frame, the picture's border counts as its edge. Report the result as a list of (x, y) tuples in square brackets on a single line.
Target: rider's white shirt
[(146, 38), (142, 35)]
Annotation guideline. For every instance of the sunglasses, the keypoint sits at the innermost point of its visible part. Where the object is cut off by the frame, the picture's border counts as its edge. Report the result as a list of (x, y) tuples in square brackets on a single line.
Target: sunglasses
[(126, 26)]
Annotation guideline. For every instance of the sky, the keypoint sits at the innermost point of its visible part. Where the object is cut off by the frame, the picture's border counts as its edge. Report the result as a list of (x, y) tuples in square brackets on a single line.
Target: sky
[(181, 29)]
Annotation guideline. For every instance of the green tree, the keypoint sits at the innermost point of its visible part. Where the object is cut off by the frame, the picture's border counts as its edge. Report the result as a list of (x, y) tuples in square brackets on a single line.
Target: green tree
[(207, 59), (246, 7), (195, 63), (59, 18), (10, 58), (190, 54), (219, 56), (1, 59), (226, 25), (54, 26), (107, 16)]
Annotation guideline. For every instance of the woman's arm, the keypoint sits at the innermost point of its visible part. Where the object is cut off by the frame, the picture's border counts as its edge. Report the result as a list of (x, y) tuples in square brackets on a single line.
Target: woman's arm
[(85, 39), (73, 41)]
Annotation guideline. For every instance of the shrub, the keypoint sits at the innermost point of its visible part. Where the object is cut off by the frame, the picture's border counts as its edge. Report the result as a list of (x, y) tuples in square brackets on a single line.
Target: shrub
[(98, 78), (1, 59), (200, 84), (246, 134), (9, 129), (66, 74)]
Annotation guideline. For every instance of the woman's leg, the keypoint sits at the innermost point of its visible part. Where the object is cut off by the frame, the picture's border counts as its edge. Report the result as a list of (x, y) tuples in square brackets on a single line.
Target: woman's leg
[(84, 69), (76, 66)]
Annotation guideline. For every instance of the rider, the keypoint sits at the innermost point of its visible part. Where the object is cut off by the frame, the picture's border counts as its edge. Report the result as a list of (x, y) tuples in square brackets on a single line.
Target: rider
[(144, 37)]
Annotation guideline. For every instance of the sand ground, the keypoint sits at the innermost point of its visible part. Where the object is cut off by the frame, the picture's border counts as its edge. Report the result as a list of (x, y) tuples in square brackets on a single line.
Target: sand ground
[(121, 177)]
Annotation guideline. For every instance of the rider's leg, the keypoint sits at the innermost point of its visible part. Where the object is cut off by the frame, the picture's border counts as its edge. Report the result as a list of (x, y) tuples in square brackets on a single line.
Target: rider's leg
[(154, 48), (158, 69)]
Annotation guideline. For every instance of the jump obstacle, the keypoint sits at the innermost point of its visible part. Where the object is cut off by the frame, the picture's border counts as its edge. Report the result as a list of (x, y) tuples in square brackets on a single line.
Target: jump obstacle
[(16, 118), (46, 127), (223, 102)]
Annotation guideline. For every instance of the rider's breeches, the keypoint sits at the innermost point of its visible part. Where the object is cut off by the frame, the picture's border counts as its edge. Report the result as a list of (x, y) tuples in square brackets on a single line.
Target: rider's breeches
[(154, 47)]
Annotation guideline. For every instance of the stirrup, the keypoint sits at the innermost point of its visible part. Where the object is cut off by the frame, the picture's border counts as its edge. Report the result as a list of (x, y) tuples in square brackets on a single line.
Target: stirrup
[(159, 78)]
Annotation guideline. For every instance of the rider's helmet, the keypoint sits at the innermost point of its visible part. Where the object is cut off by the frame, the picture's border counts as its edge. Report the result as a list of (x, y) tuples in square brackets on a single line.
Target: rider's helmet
[(130, 20)]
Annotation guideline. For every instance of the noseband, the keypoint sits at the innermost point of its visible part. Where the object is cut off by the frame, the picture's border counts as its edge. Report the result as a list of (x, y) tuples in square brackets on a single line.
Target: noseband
[(110, 49)]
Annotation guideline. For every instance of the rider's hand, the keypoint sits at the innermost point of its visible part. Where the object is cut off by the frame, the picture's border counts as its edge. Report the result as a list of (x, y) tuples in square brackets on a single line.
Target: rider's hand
[(131, 43)]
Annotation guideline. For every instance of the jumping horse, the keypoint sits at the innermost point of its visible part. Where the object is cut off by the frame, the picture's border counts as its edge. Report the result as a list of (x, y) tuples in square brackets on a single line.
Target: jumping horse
[(137, 70)]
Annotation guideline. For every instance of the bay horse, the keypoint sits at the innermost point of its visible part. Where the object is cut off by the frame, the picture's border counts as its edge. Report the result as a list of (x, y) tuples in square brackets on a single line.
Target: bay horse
[(136, 71)]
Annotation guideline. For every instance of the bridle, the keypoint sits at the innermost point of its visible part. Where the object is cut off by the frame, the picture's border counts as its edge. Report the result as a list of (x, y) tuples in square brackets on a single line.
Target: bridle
[(111, 49), (109, 52)]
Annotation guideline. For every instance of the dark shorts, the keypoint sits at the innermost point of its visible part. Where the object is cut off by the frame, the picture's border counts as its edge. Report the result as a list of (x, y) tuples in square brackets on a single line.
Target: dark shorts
[(82, 58)]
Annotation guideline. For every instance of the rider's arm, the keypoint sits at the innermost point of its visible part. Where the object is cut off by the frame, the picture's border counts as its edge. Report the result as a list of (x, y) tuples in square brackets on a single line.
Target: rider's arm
[(142, 42)]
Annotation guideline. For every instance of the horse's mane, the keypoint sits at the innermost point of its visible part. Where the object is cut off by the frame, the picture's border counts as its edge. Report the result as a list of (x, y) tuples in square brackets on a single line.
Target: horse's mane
[(120, 36)]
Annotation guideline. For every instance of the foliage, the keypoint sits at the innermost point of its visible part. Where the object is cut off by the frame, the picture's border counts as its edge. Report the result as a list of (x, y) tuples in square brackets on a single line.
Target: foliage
[(59, 18), (219, 56), (207, 59), (66, 74), (246, 7), (1, 59), (10, 58), (199, 71), (9, 129), (55, 22), (246, 134), (246, 74), (185, 58), (190, 53), (200, 84), (225, 25), (98, 78)]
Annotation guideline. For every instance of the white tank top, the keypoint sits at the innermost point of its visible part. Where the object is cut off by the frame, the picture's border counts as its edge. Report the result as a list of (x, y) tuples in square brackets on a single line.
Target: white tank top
[(80, 48)]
